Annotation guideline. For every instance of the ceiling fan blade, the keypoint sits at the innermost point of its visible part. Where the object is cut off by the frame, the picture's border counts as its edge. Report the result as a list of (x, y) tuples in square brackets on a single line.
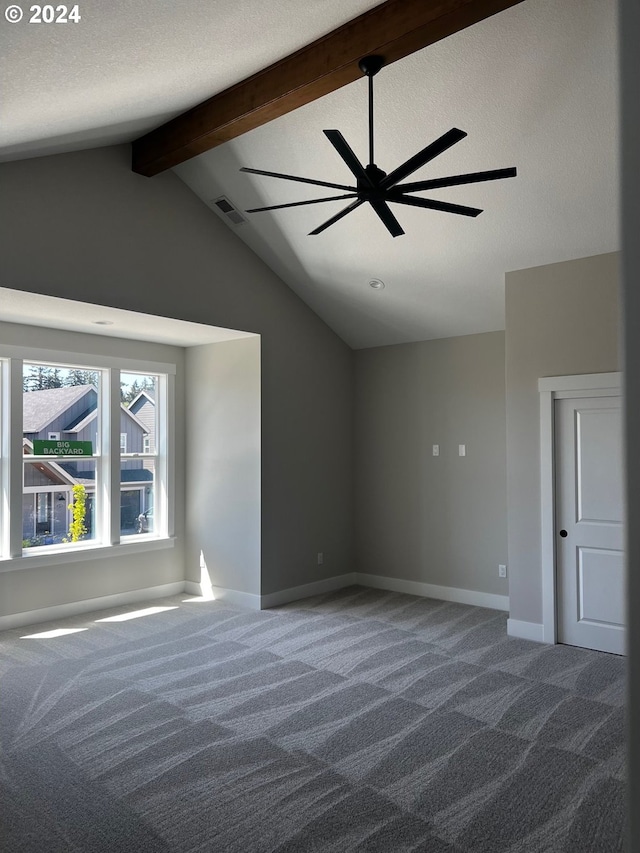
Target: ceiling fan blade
[(429, 153), (295, 178), (434, 205), (344, 150), (388, 219), (335, 218), (300, 203), (457, 180)]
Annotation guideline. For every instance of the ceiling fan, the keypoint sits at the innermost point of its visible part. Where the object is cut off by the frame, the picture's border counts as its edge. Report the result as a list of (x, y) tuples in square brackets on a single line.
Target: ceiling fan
[(379, 188)]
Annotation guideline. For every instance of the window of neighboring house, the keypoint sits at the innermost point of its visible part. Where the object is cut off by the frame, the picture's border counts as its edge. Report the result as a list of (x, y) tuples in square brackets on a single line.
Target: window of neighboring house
[(67, 492), (44, 520)]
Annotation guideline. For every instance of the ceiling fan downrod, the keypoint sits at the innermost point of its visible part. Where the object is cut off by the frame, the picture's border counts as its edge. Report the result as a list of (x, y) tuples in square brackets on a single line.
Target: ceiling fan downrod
[(370, 65)]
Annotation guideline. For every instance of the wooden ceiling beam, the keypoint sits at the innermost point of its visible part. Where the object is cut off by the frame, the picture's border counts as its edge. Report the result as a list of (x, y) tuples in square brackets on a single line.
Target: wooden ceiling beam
[(393, 30)]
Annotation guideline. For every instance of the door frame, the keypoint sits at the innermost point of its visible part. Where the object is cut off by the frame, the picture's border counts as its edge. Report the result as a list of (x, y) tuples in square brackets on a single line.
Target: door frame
[(553, 388)]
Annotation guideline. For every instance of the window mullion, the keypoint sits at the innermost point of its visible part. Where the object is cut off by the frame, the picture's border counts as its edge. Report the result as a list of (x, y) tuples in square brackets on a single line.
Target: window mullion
[(164, 432), (110, 455), (15, 452)]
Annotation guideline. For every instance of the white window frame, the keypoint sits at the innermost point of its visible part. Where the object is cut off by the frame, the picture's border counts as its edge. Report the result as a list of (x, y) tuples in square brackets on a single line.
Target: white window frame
[(123, 442), (108, 540), (158, 456)]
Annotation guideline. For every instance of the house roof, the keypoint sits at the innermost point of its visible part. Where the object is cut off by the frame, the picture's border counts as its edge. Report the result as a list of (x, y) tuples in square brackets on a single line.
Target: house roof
[(40, 408), (145, 394), (51, 469), (80, 425), (128, 476)]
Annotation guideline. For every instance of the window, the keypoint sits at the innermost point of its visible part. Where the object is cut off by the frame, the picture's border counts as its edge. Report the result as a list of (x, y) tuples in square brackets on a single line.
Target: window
[(138, 458), (61, 418), (66, 490)]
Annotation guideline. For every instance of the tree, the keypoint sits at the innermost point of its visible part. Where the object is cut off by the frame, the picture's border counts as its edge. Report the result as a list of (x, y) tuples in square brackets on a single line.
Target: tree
[(77, 528), (81, 377), (129, 392), (41, 378)]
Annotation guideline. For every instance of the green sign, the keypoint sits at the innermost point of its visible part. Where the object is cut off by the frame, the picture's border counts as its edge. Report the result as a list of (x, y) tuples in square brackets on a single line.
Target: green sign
[(62, 448)]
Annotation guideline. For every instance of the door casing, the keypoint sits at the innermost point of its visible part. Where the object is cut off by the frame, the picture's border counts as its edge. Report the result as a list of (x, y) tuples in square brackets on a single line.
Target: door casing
[(553, 388)]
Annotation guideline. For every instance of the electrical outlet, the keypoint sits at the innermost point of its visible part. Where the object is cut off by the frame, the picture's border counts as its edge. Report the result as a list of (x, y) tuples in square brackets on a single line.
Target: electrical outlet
[(502, 571), (320, 558), (462, 450), (435, 450)]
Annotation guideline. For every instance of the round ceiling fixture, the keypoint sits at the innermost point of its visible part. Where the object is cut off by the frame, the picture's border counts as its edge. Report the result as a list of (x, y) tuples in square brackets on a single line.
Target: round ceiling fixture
[(376, 284)]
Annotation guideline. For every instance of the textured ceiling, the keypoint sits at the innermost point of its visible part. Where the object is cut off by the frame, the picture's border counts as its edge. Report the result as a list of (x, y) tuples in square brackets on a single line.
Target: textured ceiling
[(534, 87), (127, 67)]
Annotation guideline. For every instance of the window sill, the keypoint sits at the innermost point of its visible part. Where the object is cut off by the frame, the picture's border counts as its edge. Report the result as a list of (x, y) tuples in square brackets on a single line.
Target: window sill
[(51, 558)]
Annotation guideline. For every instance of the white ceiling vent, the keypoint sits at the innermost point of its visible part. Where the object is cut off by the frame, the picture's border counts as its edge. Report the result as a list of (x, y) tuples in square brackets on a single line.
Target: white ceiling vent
[(226, 210)]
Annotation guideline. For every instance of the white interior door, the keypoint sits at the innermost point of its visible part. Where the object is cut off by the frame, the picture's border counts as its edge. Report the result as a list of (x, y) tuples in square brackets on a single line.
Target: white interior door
[(589, 513)]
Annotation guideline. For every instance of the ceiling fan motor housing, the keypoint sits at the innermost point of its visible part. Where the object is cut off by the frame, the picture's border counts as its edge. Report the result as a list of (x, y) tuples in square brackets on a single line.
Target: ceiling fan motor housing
[(371, 189)]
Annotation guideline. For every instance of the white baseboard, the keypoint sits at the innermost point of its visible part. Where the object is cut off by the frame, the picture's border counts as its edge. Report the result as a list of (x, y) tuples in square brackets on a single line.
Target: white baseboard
[(192, 588), (429, 590), (75, 608), (220, 593), (426, 590), (295, 593), (525, 630)]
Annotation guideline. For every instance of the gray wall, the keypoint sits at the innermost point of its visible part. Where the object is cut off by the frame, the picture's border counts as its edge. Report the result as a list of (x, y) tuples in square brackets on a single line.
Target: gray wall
[(561, 319), (223, 464), (50, 585), (437, 520), (84, 227), (630, 27)]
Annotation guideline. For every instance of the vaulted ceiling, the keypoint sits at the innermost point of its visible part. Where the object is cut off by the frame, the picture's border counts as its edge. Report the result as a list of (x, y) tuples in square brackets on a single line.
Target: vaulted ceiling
[(534, 86)]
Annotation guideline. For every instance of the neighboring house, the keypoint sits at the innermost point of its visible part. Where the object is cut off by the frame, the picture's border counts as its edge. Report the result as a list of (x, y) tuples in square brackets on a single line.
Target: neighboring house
[(47, 491), (71, 414), (143, 406)]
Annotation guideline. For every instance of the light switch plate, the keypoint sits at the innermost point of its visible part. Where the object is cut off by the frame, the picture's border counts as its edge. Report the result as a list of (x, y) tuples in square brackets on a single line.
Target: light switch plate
[(462, 450)]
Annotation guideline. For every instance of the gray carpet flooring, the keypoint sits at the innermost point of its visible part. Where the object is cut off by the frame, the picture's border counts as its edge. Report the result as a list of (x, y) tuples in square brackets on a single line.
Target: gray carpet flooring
[(357, 721)]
